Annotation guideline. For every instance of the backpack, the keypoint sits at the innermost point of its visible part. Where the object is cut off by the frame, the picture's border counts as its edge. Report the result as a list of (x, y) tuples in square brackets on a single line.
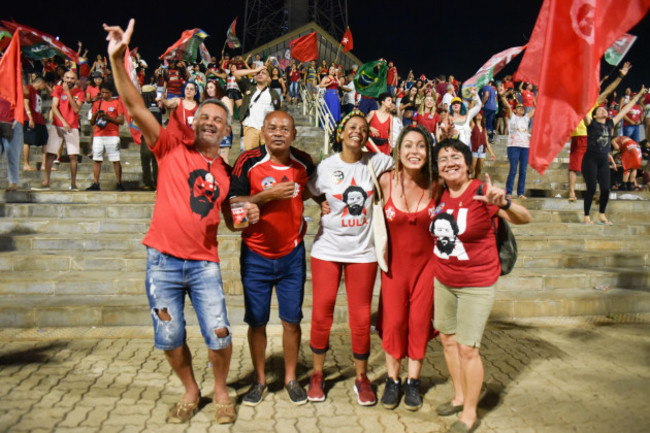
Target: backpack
[(506, 242)]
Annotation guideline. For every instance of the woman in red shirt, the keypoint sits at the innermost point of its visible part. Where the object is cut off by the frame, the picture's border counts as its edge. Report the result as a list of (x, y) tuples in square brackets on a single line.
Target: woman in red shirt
[(466, 268)]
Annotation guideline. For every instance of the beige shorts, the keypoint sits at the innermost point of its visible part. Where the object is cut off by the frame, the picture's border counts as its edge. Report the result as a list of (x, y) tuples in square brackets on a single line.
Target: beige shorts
[(110, 144), (56, 134), (252, 138), (462, 311)]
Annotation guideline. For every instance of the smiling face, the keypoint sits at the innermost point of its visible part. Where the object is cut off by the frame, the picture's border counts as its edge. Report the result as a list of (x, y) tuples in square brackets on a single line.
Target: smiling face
[(355, 133), (70, 78), (452, 166), (211, 124), (455, 107), (413, 151), (211, 89)]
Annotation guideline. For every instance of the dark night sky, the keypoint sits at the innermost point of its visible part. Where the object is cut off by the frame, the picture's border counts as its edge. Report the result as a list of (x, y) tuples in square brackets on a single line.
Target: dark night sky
[(429, 37)]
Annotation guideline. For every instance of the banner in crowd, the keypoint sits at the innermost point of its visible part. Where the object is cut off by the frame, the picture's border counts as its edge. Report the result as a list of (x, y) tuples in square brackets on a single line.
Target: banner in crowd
[(231, 37), (371, 78), (5, 39), (305, 48), (37, 45), (563, 56), (187, 47), (347, 41), (11, 79), (492, 67), (619, 49)]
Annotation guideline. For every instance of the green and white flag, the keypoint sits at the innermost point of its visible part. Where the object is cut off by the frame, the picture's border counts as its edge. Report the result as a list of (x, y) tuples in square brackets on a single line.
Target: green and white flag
[(619, 49)]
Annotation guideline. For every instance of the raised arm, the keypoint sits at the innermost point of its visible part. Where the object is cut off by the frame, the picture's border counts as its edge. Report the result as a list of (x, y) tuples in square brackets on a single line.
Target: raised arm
[(118, 41), (614, 84), (629, 105)]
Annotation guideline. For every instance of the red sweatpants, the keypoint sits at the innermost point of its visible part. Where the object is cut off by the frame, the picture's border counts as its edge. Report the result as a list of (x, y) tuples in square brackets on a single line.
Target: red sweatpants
[(359, 282)]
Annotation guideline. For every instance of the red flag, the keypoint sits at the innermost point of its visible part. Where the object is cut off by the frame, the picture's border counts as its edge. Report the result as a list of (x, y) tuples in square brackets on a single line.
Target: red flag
[(130, 69), (567, 67), (38, 45), (347, 41), (305, 48), (11, 78)]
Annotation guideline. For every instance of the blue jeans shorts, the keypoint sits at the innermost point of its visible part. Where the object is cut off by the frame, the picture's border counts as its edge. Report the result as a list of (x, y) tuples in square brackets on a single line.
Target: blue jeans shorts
[(168, 279), (260, 274)]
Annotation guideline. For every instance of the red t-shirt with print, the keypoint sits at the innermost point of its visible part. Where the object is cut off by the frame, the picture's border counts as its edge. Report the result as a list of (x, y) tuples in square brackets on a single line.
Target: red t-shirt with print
[(64, 105), (35, 105), (428, 120), (112, 108), (527, 98), (465, 251), (281, 226), (634, 115), (189, 196)]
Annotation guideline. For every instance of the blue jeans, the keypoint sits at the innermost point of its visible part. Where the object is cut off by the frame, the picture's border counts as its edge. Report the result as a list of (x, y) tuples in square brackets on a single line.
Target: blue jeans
[(12, 150), (168, 279), (518, 156), (631, 131), (293, 89), (489, 119), (259, 275)]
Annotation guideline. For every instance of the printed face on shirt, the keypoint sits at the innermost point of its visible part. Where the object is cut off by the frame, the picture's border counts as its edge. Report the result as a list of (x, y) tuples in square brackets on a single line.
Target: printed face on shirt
[(445, 230), (203, 192), (355, 199)]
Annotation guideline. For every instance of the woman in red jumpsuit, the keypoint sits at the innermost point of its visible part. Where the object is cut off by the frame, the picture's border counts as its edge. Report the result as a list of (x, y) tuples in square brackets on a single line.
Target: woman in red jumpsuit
[(406, 303)]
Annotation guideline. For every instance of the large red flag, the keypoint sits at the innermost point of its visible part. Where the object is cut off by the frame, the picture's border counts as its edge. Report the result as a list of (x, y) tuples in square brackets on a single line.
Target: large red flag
[(347, 41), (305, 48), (567, 67), (11, 78)]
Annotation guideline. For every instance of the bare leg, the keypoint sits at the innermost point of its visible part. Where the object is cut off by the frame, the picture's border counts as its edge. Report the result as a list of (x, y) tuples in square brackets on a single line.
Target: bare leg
[(471, 368), (26, 165), (97, 169), (118, 171), (291, 334), (73, 170), (318, 360), (572, 184), (220, 360), (257, 345), (415, 367), (392, 366), (49, 160), (361, 367), (180, 360), (452, 358)]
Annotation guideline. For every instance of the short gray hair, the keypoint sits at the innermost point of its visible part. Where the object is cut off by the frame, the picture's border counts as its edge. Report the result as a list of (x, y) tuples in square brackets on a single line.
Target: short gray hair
[(218, 103)]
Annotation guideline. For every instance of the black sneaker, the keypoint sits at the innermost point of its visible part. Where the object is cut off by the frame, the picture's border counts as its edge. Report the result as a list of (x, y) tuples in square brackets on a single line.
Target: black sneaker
[(255, 394), (412, 398), (93, 187), (120, 187), (391, 396), (296, 393)]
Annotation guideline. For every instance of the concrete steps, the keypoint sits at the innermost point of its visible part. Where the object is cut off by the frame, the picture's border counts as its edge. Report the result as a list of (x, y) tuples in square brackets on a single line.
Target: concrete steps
[(76, 258)]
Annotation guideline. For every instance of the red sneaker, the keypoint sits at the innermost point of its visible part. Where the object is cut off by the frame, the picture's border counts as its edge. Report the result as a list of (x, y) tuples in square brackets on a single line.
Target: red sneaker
[(365, 394), (315, 391)]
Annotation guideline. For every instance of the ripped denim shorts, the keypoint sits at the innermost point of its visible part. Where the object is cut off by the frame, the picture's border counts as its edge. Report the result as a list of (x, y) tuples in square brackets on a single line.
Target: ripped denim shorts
[(168, 279)]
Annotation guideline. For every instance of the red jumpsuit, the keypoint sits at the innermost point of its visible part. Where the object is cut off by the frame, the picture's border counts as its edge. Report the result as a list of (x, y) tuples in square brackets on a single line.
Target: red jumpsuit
[(406, 301)]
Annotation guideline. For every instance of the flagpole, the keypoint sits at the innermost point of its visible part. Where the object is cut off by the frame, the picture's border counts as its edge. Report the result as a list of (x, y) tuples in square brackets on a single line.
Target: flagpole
[(338, 50)]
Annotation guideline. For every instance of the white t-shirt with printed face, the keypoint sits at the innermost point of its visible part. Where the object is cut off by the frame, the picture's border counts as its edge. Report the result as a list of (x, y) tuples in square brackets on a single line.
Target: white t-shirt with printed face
[(345, 234), (518, 131)]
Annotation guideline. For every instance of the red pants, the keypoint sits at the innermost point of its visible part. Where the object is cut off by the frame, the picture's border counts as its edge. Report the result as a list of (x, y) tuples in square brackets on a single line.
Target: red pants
[(359, 282)]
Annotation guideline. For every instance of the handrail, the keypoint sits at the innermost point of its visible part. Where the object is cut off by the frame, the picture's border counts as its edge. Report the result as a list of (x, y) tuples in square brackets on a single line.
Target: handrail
[(319, 113)]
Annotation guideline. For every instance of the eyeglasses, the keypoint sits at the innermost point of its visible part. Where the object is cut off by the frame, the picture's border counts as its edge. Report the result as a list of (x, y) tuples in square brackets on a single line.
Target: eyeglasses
[(456, 158)]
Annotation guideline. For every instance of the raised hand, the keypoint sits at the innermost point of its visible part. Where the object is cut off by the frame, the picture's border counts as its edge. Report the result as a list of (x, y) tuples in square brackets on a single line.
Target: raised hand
[(626, 68), (492, 194), (118, 39)]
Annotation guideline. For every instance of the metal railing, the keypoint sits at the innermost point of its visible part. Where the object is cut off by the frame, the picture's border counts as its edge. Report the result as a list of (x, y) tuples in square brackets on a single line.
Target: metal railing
[(319, 114)]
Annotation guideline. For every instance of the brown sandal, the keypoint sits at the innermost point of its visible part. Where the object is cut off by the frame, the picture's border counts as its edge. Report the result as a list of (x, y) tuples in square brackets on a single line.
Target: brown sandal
[(183, 411), (224, 412)]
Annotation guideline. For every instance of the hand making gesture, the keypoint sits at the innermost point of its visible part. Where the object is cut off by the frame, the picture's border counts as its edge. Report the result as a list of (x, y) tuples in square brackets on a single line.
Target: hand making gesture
[(118, 39)]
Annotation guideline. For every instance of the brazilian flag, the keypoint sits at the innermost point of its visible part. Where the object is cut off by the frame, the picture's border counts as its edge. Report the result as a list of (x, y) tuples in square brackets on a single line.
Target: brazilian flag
[(371, 78)]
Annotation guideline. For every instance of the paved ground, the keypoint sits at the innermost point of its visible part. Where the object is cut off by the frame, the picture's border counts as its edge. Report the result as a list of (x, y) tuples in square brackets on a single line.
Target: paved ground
[(555, 376)]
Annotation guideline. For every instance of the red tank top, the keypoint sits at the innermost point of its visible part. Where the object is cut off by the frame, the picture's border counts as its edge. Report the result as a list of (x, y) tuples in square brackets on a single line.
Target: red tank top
[(382, 127)]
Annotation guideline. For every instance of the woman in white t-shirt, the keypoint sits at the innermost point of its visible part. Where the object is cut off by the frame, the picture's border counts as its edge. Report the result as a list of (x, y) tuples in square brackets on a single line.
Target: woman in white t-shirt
[(518, 145), (345, 242)]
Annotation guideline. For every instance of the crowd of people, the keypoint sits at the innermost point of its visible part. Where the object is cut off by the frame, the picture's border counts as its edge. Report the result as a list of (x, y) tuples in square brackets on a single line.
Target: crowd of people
[(420, 145)]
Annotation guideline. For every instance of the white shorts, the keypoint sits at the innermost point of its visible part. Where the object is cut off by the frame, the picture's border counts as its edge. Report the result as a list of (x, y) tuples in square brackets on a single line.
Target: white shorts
[(55, 134), (110, 144)]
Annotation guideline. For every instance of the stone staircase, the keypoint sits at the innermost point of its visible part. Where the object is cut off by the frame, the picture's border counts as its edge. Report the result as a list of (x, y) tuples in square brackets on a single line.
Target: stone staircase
[(76, 258)]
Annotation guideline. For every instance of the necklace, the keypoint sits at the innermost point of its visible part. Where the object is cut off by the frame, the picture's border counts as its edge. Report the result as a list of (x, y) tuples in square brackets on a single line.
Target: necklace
[(412, 216), (207, 160)]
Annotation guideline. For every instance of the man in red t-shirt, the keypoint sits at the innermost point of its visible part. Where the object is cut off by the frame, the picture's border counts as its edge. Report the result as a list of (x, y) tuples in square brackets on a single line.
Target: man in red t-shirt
[(274, 177), (391, 78), (107, 116), (34, 130), (182, 247), (67, 100), (632, 122)]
